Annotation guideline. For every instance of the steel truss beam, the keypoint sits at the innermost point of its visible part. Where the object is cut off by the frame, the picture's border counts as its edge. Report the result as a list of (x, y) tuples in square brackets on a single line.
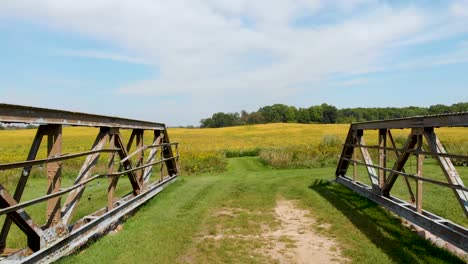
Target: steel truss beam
[(41, 116), (58, 236), (422, 129), (445, 120)]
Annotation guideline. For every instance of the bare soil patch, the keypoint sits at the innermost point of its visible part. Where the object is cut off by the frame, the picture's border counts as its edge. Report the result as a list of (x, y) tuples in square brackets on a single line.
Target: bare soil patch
[(296, 242), (293, 240)]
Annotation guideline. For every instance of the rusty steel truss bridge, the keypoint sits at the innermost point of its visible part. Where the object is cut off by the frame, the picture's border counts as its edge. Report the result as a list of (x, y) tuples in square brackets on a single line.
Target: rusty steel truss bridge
[(420, 143), (149, 168)]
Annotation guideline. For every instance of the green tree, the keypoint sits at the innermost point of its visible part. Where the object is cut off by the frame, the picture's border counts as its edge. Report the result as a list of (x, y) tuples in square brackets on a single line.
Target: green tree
[(255, 118), (206, 122), (303, 115), (315, 113), (329, 114), (459, 107), (221, 120), (290, 115)]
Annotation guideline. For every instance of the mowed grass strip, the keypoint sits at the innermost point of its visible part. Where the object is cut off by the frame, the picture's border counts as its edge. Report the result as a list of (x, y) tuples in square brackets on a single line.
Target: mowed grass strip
[(178, 225)]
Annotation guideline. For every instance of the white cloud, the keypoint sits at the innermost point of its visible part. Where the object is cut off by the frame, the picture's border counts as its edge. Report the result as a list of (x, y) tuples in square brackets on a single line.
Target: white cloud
[(302, 56), (199, 46), (350, 82), (460, 8), (98, 54)]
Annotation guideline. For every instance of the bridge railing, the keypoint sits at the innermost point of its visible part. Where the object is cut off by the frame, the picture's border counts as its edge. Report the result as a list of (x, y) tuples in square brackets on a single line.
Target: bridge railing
[(148, 163), (421, 142)]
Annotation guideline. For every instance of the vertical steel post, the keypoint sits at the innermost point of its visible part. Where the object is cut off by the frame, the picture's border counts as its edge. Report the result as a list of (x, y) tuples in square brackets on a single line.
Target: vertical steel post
[(157, 138), (140, 155), (373, 177), (355, 156), (54, 172), (110, 169), (419, 172), (161, 168), (171, 164), (382, 157)]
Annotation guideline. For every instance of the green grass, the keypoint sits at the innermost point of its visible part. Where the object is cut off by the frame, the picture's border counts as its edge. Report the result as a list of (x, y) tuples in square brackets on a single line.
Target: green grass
[(179, 224)]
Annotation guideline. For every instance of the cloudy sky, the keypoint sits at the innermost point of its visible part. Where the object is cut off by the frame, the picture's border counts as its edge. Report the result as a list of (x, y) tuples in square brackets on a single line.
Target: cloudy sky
[(181, 60)]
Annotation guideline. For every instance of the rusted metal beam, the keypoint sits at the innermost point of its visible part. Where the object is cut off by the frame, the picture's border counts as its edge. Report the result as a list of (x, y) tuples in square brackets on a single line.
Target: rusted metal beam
[(426, 153), (355, 164), (448, 169), (71, 202), (419, 172), (57, 234), (22, 220), (127, 165), (399, 164), (139, 134), (30, 163), (76, 186), (54, 172), (163, 160), (22, 182), (443, 228), (152, 156), (171, 164), (34, 115), (382, 156), (444, 120), (347, 152), (411, 176), (366, 156), (79, 236), (397, 155), (113, 180), (421, 127)]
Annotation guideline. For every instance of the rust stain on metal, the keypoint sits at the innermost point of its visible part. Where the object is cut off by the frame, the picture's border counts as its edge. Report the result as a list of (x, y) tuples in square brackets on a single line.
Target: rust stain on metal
[(421, 128), (58, 236)]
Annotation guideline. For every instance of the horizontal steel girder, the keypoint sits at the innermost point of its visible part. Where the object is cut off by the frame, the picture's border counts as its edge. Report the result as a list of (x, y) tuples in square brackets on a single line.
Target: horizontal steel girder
[(445, 120), (40, 116)]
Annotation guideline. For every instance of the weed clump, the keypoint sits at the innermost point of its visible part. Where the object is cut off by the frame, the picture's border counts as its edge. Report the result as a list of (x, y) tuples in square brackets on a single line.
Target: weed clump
[(309, 156), (201, 162), (235, 153)]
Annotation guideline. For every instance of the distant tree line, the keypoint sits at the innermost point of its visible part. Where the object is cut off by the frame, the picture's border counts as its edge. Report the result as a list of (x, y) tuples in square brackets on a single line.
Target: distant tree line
[(323, 114)]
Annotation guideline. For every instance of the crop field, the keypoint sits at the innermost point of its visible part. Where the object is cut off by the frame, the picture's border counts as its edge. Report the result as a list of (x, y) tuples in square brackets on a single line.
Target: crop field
[(299, 158), (205, 149)]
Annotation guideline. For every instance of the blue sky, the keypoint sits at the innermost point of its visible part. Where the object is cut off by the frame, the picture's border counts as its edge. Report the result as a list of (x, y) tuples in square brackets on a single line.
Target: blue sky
[(180, 61)]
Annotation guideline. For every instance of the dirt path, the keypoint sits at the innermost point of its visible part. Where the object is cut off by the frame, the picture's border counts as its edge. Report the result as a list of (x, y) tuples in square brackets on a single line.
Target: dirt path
[(296, 242), (292, 241)]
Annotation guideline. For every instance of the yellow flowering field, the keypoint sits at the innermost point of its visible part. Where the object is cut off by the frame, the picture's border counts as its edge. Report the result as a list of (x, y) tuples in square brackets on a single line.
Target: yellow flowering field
[(204, 149), (255, 136)]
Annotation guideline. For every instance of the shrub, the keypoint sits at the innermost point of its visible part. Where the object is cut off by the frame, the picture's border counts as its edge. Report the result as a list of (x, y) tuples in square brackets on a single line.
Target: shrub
[(326, 153), (330, 146), (201, 162), (234, 153)]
